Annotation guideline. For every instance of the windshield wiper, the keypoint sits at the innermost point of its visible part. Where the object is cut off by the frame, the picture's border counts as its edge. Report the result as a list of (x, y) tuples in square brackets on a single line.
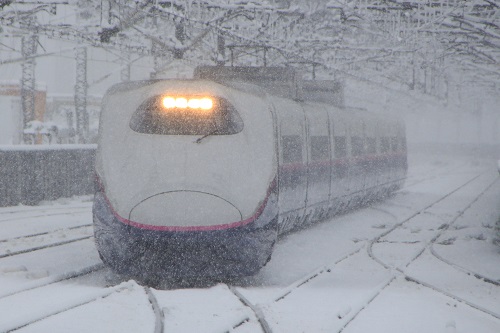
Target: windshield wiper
[(206, 135)]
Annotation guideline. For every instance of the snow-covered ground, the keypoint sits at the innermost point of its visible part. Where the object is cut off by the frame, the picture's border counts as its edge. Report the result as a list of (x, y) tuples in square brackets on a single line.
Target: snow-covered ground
[(421, 261)]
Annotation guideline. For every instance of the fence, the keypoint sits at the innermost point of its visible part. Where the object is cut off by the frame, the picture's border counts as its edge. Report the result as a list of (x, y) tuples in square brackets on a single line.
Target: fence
[(30, 174)]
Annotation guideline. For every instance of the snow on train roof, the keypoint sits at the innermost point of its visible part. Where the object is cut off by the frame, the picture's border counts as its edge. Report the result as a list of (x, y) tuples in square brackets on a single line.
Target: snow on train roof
[(283, 82), (279, 81)]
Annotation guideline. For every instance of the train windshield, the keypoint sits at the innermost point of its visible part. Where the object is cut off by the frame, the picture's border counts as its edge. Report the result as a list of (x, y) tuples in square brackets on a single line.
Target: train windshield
[(186, 115)]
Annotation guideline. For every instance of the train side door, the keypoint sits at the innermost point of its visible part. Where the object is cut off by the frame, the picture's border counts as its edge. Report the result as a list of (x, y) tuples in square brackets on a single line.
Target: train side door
[(381, 153), (357, 174), (370, 164), (385, 152), (340, 186), (403, 151), (292, 163), (319, 156)]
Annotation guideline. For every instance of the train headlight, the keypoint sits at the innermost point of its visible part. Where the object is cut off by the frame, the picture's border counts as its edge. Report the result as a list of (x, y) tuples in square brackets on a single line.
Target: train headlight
[(206, 103), (181, 103), (168, 102), (195, 103)]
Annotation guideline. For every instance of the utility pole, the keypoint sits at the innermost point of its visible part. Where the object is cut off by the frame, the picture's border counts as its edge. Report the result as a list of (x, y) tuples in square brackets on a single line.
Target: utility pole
[(82, 117), (221, 49), (157, 60)]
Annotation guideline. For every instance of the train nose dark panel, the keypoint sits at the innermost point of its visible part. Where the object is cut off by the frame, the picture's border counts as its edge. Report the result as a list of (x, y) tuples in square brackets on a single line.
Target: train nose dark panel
[(185, 209)]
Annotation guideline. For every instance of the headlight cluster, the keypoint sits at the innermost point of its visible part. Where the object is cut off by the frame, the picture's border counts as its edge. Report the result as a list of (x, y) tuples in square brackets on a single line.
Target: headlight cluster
[(203, 103)]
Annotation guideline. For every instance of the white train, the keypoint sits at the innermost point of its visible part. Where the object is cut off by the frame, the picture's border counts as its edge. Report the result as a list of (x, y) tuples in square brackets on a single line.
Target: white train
[(199, 177)]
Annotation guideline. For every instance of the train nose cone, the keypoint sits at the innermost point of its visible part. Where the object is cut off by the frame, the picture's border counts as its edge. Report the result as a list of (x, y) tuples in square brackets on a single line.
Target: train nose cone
[(185, 209)]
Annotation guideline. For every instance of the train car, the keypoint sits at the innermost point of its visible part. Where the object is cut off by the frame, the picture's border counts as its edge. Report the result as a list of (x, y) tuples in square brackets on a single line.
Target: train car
[(198, 178)]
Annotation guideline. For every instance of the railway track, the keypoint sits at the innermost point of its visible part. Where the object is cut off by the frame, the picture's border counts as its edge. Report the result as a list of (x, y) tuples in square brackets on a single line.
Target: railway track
[(479, 276), (41, 259), (39, 283), (433, 173), (350, 315), (264, 325), (285, 292), (23, 213), (41, 228), (7, 249), (401, 270), (158, 311), (40, 310)]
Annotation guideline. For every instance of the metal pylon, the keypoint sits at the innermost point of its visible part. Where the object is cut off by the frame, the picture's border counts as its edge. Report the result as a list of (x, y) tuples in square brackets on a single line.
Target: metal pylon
[(28, 50), (82, 117), (125, 71), (157, 60)]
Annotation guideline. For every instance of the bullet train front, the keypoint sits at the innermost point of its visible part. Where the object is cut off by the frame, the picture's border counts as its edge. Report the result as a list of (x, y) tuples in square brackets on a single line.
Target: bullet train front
[(186, 180)]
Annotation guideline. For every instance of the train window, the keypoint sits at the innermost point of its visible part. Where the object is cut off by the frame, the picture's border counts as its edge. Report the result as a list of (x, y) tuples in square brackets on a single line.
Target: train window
[(292, 148), (340, 147), (371, 145), (385, 145), (357, 145), (319, 148), (154, 116)]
